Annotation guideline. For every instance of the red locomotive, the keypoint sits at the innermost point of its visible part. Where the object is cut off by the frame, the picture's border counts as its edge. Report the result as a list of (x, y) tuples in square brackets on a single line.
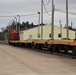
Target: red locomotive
[(13, 35)]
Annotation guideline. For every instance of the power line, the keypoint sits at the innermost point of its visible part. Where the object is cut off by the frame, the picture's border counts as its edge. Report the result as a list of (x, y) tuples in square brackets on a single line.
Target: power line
[(19, 15), (46, 9), (8, 16), (47, 2), (58, 10), (29, 14), (62, 11)]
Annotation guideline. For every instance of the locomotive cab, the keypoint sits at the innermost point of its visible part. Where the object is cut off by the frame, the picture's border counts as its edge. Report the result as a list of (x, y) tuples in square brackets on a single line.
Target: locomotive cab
[(14, 35)]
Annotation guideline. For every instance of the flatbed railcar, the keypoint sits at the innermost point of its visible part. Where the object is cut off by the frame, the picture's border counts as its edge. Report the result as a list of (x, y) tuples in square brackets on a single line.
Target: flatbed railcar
[(29, 38), (52, 45)]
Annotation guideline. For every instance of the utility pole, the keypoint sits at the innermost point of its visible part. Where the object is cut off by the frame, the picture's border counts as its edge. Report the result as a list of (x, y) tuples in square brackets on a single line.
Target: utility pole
[(41, 19), (9, 26), (19, 20), (52, 28), (60, 28), (16, 23), (38, 25), (71, 24), (67, 19), (75, 33), (12, 23)]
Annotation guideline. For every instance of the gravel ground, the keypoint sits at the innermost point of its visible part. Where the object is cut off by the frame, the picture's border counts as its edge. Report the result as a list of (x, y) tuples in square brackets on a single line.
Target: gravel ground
[(21, 61)]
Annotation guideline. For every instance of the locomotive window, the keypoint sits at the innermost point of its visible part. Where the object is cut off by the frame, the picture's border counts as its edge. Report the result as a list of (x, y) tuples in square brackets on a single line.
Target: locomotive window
[(59, 35), (38, 35), (50, 35)]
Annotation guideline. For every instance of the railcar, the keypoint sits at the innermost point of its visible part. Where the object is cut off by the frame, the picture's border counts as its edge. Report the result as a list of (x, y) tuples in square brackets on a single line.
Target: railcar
[(13, 35), (30, 38)]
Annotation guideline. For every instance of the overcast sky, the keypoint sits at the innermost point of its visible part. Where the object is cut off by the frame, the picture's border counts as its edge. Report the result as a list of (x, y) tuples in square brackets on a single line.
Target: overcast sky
[(24, 7)]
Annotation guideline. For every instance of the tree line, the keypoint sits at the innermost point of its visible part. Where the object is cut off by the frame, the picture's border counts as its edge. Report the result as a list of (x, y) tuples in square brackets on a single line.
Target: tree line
[(19, 26), (70, 28), (14, 25)]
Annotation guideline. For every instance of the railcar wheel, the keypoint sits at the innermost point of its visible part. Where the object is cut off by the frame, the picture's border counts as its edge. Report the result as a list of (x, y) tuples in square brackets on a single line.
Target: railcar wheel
[(74, 51), (57, 48), (33, 46), (29, 45), (39, 46), (65, 51), (52, 49)]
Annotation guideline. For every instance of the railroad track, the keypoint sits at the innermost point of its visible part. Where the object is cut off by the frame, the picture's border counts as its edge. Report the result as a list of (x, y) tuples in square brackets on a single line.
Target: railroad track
[(61, 54), (44, 50)]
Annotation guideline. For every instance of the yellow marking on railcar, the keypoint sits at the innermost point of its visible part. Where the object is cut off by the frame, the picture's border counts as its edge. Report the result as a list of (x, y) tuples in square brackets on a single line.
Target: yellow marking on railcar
[(41, 41), (14, 41), (22, 41), (29, 41), (62, 42)]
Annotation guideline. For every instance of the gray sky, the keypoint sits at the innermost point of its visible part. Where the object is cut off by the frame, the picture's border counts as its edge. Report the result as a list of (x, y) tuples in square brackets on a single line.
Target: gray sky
[(23, 7)]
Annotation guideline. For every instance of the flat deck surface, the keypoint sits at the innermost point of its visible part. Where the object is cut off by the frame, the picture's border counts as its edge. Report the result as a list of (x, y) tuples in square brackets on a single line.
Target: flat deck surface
[(21, 61)]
